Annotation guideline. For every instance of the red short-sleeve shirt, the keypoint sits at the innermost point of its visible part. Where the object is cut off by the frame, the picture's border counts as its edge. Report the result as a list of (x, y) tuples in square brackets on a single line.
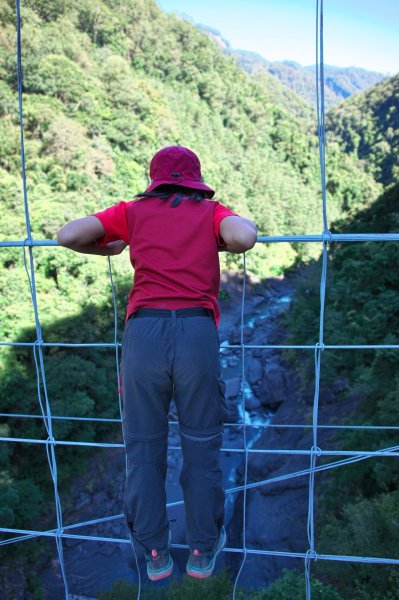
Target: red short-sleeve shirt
[(173, 251)]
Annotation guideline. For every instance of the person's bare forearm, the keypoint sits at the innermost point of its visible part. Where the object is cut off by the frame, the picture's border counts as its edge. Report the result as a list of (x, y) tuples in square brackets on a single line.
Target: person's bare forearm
[(236, 248), (91, 249), (111, 249), (81, 235)]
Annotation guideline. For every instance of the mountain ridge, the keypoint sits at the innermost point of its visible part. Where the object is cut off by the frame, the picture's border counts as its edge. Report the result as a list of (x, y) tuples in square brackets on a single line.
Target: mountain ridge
[(340, 82), (106, 83)]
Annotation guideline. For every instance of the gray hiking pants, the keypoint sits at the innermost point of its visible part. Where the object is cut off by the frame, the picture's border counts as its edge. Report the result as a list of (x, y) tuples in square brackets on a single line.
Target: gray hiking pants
[(169, 354)]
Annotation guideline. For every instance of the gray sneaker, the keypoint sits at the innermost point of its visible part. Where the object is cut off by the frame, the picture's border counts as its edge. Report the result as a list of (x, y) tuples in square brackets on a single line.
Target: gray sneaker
[(200, 564), (159, 564)]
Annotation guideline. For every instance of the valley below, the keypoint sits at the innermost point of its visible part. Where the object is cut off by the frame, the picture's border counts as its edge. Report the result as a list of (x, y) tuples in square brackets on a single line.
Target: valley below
[(276, 410)]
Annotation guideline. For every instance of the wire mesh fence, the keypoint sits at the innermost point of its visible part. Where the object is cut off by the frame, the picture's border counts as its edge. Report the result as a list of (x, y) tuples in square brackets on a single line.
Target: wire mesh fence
[(314, 453)]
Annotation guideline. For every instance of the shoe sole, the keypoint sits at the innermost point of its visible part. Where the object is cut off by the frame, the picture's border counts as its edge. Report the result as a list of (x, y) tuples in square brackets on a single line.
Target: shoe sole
[(204, 573), (161, 574)]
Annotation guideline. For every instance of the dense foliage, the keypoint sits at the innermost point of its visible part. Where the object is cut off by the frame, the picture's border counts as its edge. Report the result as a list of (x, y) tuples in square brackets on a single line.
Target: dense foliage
[(359, 503), (367, 126), (105, 85), (290, 585)]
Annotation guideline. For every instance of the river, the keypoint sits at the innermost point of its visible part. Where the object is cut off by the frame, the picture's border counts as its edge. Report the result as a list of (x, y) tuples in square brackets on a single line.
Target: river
[(94, 566)]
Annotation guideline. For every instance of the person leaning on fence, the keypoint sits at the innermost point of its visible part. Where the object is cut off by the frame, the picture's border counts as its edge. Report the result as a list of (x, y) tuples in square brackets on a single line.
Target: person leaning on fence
[(170, 348)]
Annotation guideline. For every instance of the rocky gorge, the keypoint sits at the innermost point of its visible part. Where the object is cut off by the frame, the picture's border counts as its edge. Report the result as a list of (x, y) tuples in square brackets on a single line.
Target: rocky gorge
[(276, 409)]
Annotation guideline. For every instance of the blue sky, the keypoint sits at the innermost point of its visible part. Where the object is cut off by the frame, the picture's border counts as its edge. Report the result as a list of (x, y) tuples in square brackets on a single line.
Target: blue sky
[(360, 33)]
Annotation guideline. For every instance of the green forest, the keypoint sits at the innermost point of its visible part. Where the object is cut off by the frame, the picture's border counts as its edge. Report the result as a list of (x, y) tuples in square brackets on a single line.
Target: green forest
[(340, 83), (107, 83), (360, 503)]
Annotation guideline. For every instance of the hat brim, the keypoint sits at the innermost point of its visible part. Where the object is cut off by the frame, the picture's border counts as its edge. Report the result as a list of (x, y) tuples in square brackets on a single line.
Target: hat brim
[(195, 185)]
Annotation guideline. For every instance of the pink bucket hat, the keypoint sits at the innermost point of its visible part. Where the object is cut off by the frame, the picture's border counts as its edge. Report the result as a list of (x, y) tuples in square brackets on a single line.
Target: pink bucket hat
[(176, 165)]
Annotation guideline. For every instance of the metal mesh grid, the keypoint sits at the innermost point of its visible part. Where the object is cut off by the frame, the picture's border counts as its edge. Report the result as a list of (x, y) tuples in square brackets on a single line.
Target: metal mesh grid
[(314, 452)]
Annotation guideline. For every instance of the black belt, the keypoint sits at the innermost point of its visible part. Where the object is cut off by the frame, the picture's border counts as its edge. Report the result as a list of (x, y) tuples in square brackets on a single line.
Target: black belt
[(179, 312)]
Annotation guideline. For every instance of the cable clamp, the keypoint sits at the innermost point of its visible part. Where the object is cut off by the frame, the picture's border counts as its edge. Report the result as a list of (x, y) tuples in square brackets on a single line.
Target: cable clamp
[(311, 555), (320, 346), (316, 450), (327, 236)]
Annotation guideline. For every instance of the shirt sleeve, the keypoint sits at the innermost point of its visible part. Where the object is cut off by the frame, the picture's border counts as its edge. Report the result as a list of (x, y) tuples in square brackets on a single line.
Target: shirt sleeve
[(114, 221), (219, 213)]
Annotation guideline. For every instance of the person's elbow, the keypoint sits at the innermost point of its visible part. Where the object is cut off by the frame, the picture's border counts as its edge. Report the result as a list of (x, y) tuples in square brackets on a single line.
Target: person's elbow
[(244, 239), (241, 239), (238, 233)]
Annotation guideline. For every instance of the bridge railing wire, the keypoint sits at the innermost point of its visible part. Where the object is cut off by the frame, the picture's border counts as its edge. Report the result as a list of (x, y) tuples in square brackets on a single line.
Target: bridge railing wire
[(62, 532)]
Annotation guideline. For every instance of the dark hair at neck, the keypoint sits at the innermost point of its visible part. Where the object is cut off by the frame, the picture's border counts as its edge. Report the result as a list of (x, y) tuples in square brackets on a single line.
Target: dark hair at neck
[(178, 193)]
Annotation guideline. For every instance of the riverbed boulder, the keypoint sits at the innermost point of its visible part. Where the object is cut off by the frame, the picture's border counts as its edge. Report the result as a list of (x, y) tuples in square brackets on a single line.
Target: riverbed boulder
[(258, 352), (254, 371), (276, 335), (233, 414), (252, 403), (235, 335), (233, 387), (233, 361), (274, 386)]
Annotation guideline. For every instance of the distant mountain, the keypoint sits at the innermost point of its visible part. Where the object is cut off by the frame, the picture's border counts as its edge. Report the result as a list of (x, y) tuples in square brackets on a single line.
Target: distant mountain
[(340, 83), (106, 83), (367, 126)]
